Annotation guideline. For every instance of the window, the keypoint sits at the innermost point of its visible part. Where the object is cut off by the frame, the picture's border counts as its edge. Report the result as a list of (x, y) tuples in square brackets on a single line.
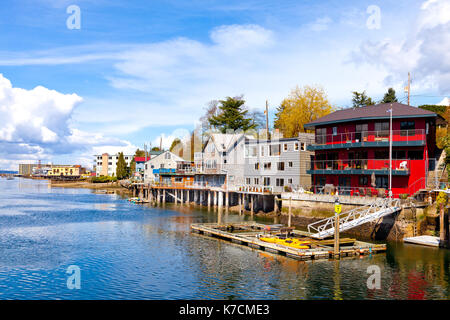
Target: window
[(256, 180), (321, 135), (407, 128), (382, 129), (247, 180), (399, 154), (290, 180), (296, 146), (363, 181), (285, 147), (415, 155), (303, 146), (290, 164), (257, 166), (224, 160), (110, 158), (274, 150), (251, 151), (266, 181), (381, 182), (381, 155), (110, 163), (427, 128), (267, 165), (280, 166), (178, 179), (279, 182), (167, 155), (334, 131), (381, 126), (161, 165), (262, 151)]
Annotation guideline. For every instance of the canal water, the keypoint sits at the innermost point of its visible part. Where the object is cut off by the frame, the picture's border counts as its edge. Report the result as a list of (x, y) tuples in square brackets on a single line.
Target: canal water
[(126, 251)]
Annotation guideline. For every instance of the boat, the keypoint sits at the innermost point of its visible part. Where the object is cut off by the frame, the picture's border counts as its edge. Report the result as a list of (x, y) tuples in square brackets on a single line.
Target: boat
[(289, 242)]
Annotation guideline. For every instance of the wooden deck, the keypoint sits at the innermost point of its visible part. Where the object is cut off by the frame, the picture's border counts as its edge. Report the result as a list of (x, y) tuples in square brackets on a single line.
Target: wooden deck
[(247, 234)]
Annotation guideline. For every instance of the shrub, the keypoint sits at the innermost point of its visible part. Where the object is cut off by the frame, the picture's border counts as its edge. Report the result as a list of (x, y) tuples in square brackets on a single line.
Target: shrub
[(103, 179)]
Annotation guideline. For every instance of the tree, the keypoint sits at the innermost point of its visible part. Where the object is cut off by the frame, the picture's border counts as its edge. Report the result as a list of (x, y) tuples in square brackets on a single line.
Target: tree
[(155, 149), (277, 123), (232, 116), (137, 153), (175, 142), (211, 110), (121, 169), (389, 96), (361, 99), (258, 118), (302, 106)]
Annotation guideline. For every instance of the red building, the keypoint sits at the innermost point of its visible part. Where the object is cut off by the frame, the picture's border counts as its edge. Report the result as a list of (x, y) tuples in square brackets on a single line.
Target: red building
[(352, 149)]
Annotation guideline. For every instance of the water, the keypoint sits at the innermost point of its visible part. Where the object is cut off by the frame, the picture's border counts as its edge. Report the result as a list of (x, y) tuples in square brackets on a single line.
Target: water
[(127, 251)]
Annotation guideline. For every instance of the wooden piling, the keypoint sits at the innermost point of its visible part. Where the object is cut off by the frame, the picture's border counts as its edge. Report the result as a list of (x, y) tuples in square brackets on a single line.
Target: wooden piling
[(290, 211)]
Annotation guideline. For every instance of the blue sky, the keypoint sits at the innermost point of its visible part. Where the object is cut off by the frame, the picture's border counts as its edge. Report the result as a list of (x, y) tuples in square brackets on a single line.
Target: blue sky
[(139, 69)]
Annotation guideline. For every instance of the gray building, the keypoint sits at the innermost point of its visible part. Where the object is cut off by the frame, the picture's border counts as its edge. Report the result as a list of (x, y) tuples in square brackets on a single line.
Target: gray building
[(278, 165)]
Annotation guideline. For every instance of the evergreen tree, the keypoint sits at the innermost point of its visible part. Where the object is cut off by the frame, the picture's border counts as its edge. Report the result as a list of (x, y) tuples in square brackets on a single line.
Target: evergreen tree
[(232, 116), (121, 169), (361, 99), (278, 123), (389, 96)]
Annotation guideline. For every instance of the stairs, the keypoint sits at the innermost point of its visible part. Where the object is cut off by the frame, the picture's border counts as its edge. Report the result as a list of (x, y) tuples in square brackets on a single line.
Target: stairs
[(439, 173), (353, 218)]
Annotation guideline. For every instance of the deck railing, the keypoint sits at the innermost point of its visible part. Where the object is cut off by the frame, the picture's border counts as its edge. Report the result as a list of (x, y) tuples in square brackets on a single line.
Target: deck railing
[(360, 164), (374, 137)]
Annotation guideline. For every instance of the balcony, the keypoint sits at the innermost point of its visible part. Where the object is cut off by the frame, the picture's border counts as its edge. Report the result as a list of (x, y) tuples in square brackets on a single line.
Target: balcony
[(400, 138), (366, 166)]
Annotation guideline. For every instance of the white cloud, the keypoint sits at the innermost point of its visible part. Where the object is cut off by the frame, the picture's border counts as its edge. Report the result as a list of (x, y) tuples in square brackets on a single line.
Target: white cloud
[(35, 125), (425, 52), (321, 24), (166, 140)]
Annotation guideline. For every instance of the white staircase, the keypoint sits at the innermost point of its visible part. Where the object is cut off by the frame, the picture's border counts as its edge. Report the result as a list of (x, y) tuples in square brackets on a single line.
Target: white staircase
[(353, 218)]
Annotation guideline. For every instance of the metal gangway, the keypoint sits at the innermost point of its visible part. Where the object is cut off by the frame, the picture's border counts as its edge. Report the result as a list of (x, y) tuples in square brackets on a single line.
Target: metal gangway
[(355, 217)]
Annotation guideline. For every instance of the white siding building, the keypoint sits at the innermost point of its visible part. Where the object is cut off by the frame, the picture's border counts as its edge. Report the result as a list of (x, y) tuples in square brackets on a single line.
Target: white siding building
[(106, 165), (166, 160)]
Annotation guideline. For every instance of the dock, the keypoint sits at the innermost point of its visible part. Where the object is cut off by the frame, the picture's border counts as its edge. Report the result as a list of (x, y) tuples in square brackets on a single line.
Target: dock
[(247, 234), (428, 241)]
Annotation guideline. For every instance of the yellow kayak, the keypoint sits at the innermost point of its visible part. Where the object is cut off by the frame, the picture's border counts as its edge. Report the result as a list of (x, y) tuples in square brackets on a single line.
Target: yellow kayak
[(289, 242)]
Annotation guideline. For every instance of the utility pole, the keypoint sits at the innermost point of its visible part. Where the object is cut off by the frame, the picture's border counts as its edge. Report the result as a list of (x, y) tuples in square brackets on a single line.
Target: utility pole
[(267, 119), (408, 88), (160, 144)]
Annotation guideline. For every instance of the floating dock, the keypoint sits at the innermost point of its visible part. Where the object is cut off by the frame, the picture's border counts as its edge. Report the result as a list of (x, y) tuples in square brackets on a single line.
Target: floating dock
[(429, 241), (247, 234)]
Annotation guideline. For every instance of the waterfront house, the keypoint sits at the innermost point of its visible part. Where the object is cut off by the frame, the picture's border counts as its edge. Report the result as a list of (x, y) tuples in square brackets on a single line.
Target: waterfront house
[(279, 164), (222, 157), (106, 164), (352, 149), (165, 162)]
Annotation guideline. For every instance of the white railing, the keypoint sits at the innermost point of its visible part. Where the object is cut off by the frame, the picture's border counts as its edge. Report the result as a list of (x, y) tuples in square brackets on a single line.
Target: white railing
[(371, 136), (353, 218)]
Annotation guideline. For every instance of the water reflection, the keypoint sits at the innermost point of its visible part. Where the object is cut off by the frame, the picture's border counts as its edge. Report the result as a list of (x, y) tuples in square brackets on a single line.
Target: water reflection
[(129, 251)]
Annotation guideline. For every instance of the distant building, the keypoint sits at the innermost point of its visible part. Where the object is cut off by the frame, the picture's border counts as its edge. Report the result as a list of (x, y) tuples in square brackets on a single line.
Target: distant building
[(106, 165), (26, 169), (66, 170)]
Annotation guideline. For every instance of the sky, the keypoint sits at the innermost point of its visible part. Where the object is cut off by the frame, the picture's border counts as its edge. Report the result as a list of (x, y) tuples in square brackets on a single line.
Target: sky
[(79, 78)]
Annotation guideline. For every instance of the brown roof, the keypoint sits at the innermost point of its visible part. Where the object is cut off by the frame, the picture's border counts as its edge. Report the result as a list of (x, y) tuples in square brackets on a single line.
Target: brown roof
[(378, 111)]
